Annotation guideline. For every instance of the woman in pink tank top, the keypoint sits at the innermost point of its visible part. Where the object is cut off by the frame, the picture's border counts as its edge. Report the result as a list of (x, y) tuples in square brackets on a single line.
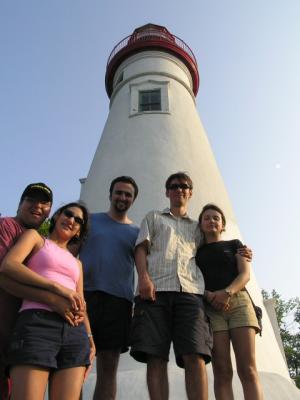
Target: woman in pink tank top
[(44, 347)]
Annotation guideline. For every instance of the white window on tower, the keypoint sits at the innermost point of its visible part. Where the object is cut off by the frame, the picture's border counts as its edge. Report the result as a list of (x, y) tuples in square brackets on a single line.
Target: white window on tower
[(149, 96), (150, 100)]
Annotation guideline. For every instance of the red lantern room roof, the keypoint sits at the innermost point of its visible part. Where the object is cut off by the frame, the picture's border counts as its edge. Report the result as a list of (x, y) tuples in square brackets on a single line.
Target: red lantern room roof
[(150, 37)]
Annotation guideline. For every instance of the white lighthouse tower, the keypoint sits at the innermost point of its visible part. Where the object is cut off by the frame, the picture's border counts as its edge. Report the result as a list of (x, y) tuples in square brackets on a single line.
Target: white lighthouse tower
[(153, 130)]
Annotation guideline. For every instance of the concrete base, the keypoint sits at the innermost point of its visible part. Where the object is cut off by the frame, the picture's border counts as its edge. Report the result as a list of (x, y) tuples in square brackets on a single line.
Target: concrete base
[(132, 383)]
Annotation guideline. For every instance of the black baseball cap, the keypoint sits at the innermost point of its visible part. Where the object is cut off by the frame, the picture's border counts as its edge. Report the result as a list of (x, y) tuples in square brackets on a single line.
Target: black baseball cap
[(37, 187)]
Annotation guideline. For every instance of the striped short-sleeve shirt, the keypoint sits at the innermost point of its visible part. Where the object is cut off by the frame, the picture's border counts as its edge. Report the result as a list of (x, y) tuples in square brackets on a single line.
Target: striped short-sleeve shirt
[(172, 244)]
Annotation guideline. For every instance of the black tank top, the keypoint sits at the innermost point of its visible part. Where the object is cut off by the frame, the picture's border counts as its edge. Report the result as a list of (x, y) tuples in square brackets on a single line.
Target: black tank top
[(218, 263)]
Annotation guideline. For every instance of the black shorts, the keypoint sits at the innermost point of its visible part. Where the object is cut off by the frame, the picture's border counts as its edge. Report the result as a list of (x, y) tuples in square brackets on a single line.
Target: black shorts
[(174, 317), (110, 319), (45, 339)]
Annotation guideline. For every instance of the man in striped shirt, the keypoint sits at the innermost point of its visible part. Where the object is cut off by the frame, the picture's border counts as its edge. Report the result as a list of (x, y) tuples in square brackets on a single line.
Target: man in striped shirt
[(169, 306)]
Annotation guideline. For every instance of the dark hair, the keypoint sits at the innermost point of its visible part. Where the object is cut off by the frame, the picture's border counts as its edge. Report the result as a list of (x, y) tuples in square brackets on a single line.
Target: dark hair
[(211, 206), (181, 176), (124, 179), (83, 229)]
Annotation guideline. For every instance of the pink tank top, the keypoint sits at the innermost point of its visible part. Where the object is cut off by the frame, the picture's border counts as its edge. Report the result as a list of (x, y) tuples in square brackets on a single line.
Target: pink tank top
[(56, 264)]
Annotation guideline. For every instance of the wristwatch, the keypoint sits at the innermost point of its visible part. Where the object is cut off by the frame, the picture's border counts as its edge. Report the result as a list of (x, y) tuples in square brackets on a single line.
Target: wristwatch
[(228, 292)]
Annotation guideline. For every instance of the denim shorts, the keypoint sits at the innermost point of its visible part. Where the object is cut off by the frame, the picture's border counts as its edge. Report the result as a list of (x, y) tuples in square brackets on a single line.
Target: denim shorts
[(43, 338), (175, 317)]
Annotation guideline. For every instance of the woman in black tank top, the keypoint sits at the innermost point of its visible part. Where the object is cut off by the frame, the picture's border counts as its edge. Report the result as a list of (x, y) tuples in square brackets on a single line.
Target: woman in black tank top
[(229, 307)]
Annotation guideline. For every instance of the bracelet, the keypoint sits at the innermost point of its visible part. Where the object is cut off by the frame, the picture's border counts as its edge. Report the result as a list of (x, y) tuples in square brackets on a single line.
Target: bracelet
[(89, 335)]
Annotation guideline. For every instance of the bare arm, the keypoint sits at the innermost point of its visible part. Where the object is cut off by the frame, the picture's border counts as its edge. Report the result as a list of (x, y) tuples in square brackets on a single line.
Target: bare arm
[(221, 299), (86, 323), (57, 303), (13, 267), (13, 264), (145, 285), (243, 277)]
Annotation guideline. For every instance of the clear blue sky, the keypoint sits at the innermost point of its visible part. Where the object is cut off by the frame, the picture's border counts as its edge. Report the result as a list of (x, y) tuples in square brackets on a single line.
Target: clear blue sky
[(53, 104)]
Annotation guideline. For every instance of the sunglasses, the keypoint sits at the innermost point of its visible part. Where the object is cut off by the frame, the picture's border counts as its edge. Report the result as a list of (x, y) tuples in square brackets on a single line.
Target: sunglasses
[(175, 186), (70, 214)]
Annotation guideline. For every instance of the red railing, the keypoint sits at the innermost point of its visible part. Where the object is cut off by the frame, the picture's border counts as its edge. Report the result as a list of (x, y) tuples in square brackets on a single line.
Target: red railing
[(152, 35)]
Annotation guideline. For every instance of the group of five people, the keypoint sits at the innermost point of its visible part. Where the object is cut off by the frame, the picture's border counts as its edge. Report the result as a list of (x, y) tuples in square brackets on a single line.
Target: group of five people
[(54, 339)]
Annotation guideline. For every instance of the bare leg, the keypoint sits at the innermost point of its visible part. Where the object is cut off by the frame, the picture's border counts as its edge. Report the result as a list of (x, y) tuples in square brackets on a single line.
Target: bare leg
[(66, 383), (243, 342), (106, 384), (195, 377), (157, 378), (222, 366), (28, 382)]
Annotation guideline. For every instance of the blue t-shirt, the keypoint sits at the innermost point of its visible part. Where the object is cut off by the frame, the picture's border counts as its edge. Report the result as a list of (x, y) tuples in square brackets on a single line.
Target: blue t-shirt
[(108, 256)]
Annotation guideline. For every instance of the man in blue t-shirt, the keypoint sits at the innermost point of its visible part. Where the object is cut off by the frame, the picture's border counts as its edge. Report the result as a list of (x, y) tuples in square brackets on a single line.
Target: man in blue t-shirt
[(108, 264)]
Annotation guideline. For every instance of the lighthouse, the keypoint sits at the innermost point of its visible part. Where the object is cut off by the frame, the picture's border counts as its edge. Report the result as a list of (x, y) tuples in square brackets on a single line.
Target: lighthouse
[(152, 130)]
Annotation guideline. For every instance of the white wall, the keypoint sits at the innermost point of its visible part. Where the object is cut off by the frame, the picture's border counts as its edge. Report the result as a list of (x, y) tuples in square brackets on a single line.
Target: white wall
[(151, 146)]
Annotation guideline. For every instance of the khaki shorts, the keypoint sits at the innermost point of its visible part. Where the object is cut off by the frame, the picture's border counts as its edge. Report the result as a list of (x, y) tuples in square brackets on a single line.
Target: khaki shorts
[(240, 314)]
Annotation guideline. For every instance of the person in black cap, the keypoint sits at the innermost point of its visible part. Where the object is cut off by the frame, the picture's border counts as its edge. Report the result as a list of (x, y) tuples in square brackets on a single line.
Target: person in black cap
[(38, 189), (34, 207)]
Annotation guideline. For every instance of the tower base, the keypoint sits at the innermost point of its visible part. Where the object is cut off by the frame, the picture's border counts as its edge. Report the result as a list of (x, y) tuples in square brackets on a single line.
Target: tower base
[(132, 383)]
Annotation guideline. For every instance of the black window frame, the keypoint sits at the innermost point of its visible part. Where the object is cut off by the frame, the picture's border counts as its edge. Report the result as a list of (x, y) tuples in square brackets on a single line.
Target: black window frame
[(148, 102)]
